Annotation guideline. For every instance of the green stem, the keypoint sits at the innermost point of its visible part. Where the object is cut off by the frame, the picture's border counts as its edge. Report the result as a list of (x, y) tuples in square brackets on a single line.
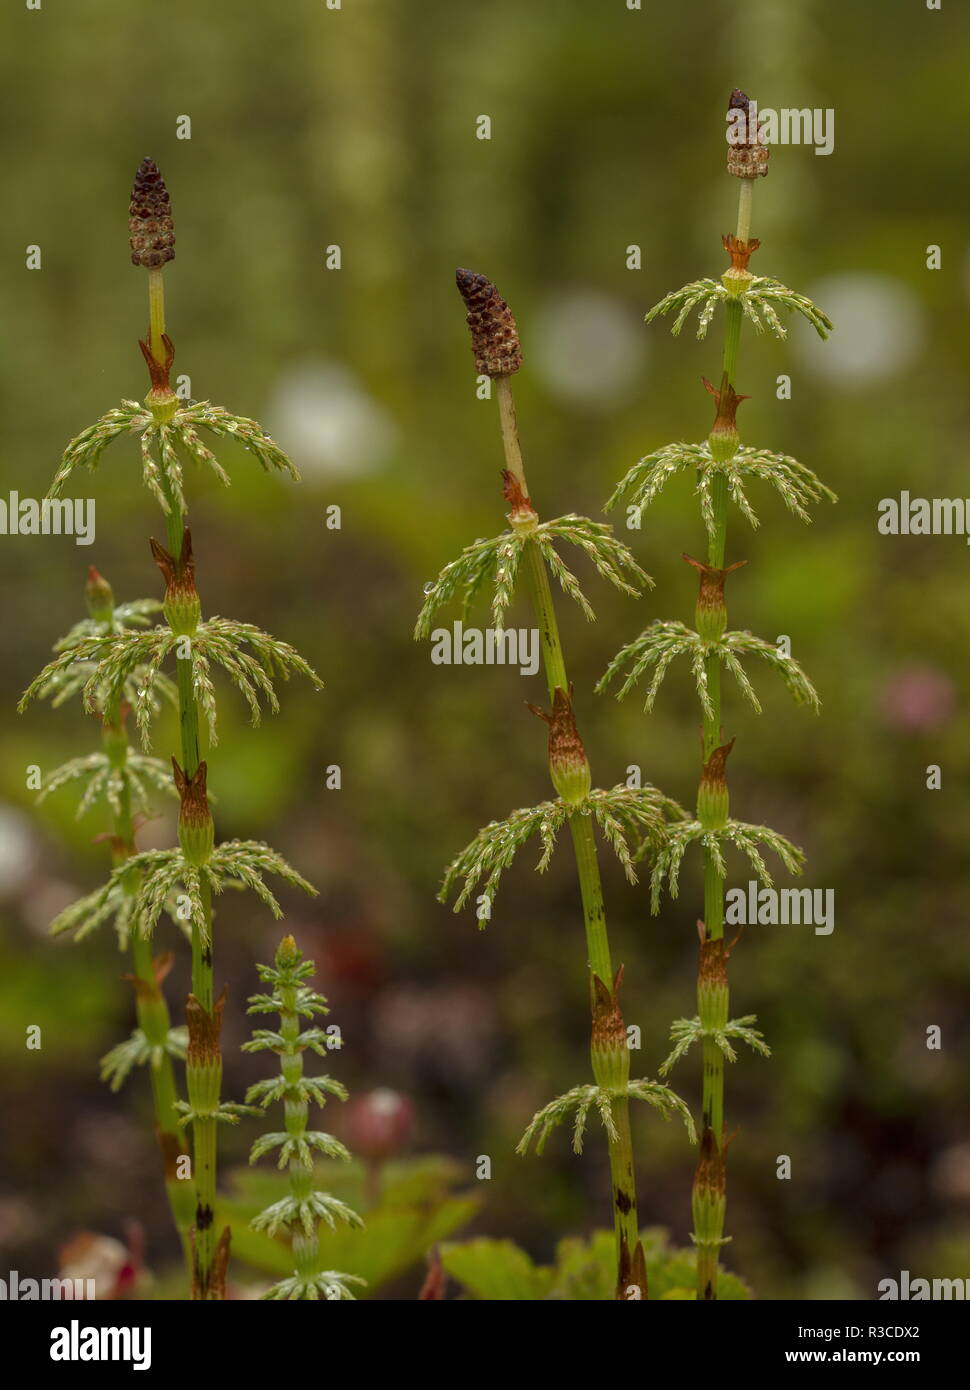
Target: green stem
[(204, 1084), (712, 1102), (537, 580), (591, 890), (156, 311), (599, 960), (151, 1008), (306, 1247)]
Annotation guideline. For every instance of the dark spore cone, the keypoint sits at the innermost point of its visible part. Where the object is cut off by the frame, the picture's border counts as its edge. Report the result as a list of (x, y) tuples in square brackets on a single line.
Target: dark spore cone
[(495, 338), (747, 156), (151, 232)]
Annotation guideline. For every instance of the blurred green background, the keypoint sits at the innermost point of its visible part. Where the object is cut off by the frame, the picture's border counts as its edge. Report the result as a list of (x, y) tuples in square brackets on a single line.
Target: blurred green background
[(311, 128)]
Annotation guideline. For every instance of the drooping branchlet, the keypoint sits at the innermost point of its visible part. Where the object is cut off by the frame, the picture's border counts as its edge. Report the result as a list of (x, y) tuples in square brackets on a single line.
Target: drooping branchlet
[(151, 232), (495, 337)]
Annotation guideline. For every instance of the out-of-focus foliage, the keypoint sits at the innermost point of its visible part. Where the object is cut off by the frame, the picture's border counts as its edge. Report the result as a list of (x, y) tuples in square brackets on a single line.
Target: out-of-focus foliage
[(418, 1205), (499, 1271), (313, 128)]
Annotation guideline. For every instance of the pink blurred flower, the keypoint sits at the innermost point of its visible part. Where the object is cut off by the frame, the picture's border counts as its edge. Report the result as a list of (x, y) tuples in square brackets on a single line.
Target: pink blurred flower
[(116, 1268), (918, 699), (379, 1124)]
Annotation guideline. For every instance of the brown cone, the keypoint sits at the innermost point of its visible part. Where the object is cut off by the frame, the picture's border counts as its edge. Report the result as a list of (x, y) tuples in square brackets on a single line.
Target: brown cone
[(495, 338), (151, 232)]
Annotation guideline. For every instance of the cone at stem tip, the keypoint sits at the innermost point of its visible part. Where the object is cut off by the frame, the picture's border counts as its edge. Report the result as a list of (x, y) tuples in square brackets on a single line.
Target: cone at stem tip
[(495, 337), (151, 232), (747, 155)]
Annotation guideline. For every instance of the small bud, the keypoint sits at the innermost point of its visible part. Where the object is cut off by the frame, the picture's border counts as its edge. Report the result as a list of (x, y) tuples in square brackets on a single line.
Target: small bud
[(712, 794), (711, 612), (608, 1046), (723, 439), (182, 607), (99, 597), (288, 954), (495, 338), (747, 156), (151, 233), (568, 766), (195, 828)]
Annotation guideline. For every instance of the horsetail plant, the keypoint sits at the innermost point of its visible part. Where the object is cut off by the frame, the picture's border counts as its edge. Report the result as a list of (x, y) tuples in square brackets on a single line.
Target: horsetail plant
[(302, 1211), (626, 816), (116, 666), (723, 469), (125, 781)]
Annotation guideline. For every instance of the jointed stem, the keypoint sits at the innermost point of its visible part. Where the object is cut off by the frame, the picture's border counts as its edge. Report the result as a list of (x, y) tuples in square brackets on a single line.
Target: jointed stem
[(204, 1082), (151, 1010), (712, 1103), (599, 961)]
